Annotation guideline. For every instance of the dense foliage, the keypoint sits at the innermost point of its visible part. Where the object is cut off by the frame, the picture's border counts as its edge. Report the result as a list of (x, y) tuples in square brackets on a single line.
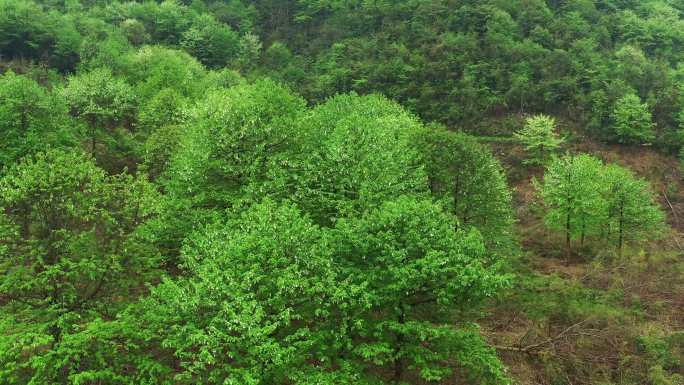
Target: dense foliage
[(249, 192)]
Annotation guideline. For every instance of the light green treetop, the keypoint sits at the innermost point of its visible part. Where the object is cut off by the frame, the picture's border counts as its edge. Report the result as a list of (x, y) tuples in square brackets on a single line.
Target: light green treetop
[(261, 303), (585, 198), (358, 152), (573, 193), (71, 253), (99, 97), (416, 270), (632, 213), (234, 144), (471, 179), (30, 118), (539, 138), (632, 120)]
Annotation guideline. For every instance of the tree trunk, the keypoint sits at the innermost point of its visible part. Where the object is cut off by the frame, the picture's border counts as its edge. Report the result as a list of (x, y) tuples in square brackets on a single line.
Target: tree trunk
[(621, 231), (457, 188), (93, 141), (92, 145), (567, 234), (398, 361), (24, 122)]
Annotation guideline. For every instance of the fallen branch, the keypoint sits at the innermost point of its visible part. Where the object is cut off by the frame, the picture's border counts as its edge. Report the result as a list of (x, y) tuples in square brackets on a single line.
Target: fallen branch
[(531, 348), (676, 218), (674, 213)]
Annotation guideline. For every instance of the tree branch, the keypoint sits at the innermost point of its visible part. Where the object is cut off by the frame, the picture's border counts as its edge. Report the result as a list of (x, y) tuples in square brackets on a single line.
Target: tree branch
[(531, 348)]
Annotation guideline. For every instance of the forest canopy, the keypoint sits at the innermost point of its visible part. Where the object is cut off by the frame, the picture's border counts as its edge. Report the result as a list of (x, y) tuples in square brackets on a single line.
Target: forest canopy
[(278, 192)]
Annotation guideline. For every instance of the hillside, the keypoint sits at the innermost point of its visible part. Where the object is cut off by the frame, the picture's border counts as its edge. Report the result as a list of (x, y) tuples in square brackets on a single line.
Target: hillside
[(346, 192), (594, 314)]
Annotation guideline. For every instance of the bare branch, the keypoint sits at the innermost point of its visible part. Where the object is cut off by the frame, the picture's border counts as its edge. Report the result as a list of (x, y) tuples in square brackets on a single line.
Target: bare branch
[(533, 347)]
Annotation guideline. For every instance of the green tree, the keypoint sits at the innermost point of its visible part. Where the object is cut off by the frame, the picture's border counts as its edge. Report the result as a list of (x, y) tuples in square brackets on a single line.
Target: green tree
[(223, 78), (212, 43), (109, 52), (134, 31), (632, 213), (472, 181), (166, 21), (160, 124), (250, 51), (102, 100), (539, 138), (71, 253), (632, 120), (27, 31), (279, 63), (167, 107), (236, 141), (239, 14), (232, 138), (358, 152), (573, 195), (152, 69), (30, 119), (260, 303), (108, 351), (417, 273)]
